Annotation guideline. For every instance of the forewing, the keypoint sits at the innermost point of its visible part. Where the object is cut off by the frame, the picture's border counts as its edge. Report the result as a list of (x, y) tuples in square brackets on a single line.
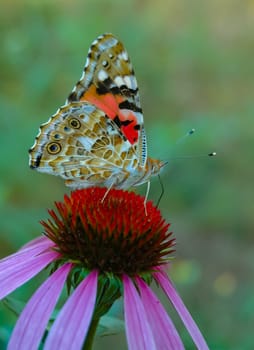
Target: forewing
[(108, 81)]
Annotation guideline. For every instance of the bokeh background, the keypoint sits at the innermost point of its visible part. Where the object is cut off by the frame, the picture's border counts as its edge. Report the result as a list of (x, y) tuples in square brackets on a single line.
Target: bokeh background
[(194, 64)]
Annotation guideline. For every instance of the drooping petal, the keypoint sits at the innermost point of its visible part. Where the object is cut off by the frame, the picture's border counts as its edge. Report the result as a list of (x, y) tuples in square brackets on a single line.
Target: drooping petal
[(72, 324), (164, 331), (164, 281), (39, 241), (19, 272), (138, 331), (33, 320), (31, 249)]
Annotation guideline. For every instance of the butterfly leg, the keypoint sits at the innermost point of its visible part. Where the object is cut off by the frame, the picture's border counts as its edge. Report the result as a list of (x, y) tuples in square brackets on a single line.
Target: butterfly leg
[(162, 191), (146, 196), (107, 192)]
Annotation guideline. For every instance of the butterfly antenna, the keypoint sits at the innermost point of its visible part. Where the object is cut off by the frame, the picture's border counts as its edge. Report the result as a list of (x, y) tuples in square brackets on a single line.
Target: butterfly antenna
[(183, 138), (211, 154)]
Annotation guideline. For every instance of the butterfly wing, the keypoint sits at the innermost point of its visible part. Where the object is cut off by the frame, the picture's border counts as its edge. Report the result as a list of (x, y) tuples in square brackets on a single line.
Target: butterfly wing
[(85, 147), (108, 81)]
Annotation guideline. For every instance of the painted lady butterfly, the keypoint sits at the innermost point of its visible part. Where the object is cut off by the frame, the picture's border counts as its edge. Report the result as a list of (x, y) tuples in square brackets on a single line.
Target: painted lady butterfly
[(97, 138)]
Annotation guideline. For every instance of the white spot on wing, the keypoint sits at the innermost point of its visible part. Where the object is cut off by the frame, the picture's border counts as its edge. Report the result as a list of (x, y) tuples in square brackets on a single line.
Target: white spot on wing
[(86, 65), (86, 118), (123, 56), (102, 75), (95, 42), (109, 42), (128, 82), (119, 81), (87, 142), (134, 84), (89, 108)]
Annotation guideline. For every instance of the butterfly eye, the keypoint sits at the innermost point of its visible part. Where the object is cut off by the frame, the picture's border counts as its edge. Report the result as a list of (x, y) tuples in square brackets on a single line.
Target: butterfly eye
[(74, 123), (54, 148)]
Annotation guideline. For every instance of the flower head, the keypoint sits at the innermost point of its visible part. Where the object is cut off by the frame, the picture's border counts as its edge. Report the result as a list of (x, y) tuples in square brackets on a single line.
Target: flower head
[(104, 246), (110, 234)]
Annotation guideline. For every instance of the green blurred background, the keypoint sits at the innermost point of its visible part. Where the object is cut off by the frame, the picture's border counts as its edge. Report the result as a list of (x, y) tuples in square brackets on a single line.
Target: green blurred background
[(194, 64)]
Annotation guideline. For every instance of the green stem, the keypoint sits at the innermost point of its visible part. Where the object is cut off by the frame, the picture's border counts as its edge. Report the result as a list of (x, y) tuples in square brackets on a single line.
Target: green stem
[(88, 345)]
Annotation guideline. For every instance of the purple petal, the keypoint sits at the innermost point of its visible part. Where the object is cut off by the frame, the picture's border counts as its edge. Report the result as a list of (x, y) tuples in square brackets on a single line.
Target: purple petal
[(138, 331), (42, 240), (21, 271), (178, 304), (72, 324), (164, 331), (32, 248), (34, 318)]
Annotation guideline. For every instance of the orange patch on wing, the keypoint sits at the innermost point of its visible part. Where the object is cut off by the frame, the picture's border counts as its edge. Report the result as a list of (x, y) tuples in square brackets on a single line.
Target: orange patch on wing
[(109, 104)]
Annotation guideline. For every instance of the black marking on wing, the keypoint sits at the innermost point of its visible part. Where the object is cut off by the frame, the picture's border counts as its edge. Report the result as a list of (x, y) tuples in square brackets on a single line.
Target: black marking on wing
[(108, 85), (73, 96), (113, 123), (104, 86), (129, 105), (124, 90), (36, 163), (119, 123)]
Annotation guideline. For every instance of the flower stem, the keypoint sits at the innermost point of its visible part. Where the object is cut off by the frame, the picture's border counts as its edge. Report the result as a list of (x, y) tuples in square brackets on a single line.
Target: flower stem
[(88, 344)]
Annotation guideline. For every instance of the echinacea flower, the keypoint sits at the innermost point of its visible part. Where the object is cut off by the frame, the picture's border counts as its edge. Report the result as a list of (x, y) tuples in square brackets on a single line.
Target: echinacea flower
[(102, 248)]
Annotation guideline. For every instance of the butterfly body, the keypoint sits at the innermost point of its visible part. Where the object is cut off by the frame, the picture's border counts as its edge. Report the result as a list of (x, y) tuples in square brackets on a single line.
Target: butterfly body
[(98, 137)]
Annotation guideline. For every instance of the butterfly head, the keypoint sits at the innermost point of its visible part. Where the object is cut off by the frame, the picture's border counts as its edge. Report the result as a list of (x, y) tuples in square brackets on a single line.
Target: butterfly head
[(155, 165)]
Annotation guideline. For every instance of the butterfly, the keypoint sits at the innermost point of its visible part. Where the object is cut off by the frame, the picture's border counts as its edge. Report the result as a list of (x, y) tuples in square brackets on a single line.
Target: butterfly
[(98, 138)]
